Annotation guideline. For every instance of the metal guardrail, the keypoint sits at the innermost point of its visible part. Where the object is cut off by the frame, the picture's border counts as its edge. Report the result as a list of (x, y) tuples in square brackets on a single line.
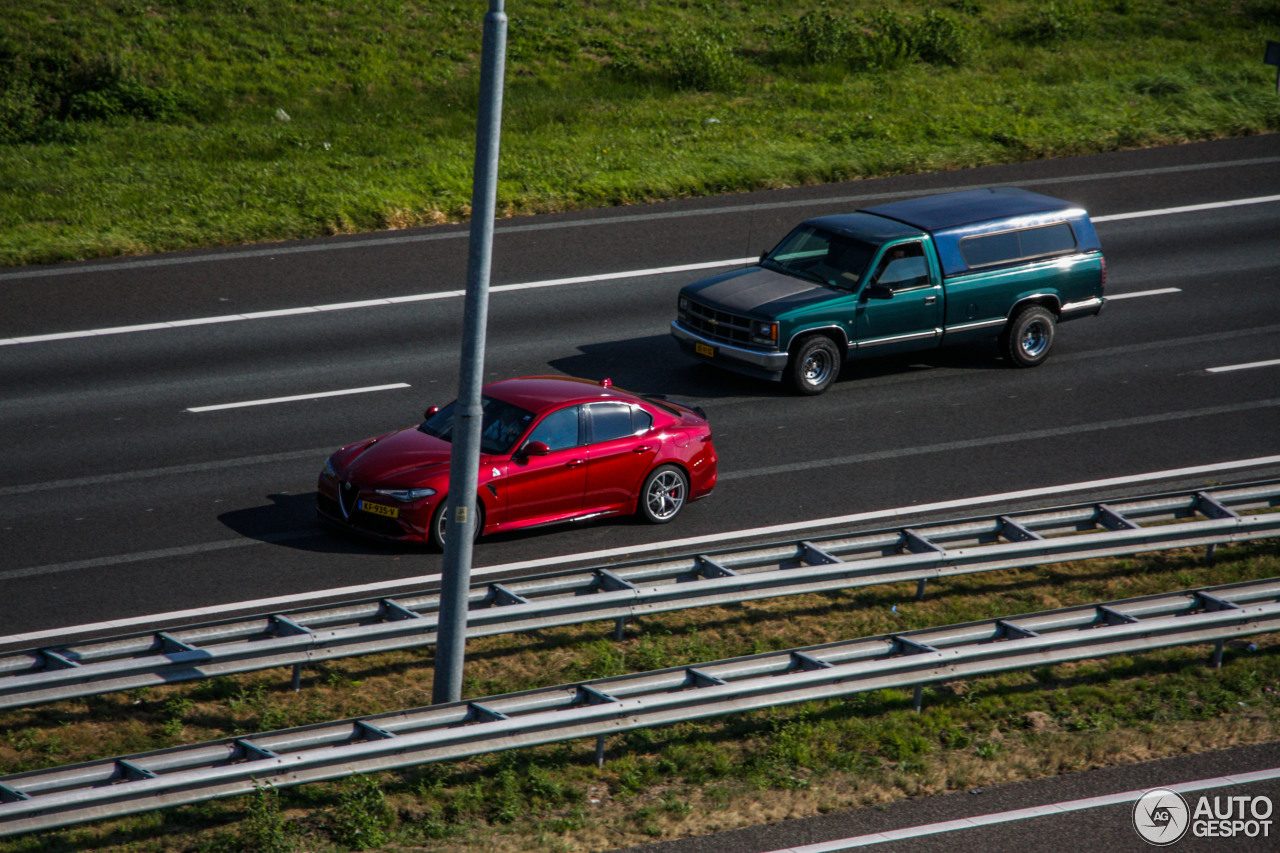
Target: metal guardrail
[(62, 796), (919, 554)]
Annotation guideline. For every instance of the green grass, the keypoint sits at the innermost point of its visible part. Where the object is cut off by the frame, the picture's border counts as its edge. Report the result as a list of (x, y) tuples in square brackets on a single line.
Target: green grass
[(130, 127), (689, 778)]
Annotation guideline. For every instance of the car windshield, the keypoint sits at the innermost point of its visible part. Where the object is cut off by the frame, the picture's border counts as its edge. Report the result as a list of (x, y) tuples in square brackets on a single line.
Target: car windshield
[(822, 256), (502, 426)]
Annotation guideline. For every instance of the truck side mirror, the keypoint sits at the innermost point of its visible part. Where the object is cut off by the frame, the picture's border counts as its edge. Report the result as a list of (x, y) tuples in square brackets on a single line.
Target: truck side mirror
[(878, 291)]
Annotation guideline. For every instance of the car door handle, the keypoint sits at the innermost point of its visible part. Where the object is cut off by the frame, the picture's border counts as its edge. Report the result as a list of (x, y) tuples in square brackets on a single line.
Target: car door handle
[(643, 448), (929, 300), (574, 463)]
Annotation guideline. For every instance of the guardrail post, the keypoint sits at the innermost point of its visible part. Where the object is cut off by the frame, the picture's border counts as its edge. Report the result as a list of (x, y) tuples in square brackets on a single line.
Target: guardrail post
[(920, 590), (1209, 552), (297, 677), (599, 751), (1217, 653), (918, 700), (619, 625)]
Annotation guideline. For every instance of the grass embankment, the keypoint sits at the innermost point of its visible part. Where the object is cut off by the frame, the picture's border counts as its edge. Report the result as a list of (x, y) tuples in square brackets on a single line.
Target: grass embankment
[(691, 778), (130, 127)]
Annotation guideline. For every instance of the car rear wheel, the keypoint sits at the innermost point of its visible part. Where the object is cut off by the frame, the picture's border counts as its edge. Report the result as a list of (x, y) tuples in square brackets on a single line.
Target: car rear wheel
[(440, 524), (814, 366), (664, 492), (1028, 337)]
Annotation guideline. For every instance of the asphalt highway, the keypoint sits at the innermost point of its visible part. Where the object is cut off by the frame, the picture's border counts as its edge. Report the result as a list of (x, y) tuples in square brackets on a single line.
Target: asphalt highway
[(124, 494)]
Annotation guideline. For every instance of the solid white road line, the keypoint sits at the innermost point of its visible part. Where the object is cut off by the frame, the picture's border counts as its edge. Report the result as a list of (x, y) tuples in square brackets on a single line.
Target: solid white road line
[(296, 397), (452, 294), (1190, 208), (1124, 797), (1230, 367), (389, 587), (275, 250), (369, 303)]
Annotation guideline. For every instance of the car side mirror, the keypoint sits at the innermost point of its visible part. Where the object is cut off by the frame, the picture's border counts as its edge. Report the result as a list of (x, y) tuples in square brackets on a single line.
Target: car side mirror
[(763, 255), (431, 411), (535, 448), (878, 291)]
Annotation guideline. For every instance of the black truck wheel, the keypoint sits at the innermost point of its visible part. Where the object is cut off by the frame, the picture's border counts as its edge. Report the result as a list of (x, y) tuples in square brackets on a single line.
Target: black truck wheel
[(814, 365), (1028, 337)]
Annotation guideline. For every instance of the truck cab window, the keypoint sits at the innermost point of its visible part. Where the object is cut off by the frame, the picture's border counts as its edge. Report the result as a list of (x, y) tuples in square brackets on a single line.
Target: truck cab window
[(902, 268)]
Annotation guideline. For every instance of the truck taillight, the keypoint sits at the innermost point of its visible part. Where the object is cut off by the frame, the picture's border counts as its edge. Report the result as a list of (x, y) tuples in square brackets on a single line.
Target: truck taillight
[(1104, 273)]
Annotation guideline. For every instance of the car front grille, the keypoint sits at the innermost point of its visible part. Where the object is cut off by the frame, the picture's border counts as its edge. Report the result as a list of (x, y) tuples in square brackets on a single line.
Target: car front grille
[(718, 325), (348, 515)]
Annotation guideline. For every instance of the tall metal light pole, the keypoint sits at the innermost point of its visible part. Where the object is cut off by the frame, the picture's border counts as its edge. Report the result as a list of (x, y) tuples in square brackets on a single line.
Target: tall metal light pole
[(468, 414)]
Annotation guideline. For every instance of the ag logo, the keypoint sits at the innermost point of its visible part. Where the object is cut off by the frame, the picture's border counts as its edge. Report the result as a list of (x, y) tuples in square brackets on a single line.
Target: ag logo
[(1161, 817)]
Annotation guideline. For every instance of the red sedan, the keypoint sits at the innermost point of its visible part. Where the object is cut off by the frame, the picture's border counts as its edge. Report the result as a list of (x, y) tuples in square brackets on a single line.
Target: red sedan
[(553, 449)]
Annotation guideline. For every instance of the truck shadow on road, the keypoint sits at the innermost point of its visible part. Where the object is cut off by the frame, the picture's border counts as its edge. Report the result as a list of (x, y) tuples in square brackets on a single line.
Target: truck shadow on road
[(655, 365)]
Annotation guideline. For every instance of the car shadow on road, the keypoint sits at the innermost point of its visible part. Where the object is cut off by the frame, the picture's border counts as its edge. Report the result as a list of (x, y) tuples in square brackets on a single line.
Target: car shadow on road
[(291, 521)]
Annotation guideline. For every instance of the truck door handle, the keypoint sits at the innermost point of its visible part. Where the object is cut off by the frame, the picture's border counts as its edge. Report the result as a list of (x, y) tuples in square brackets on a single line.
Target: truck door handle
[(929, 300)]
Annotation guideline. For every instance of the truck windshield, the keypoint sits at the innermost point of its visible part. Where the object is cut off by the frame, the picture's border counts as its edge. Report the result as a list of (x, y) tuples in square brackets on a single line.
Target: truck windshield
[(822, 256)]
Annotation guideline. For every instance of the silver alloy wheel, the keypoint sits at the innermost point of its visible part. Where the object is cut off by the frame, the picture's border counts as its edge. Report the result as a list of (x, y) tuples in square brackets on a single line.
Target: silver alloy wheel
[(1035, 339), (817, 367), (665, 495)]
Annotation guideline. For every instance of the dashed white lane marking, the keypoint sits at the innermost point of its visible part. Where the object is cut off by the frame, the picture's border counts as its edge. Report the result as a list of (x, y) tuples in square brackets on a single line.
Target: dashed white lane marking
[(1250, 366), (296, 397)]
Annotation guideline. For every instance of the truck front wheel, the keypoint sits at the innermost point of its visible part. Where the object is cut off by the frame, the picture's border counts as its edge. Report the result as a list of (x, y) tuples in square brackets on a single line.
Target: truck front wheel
[(814, 365), (1028, 337)]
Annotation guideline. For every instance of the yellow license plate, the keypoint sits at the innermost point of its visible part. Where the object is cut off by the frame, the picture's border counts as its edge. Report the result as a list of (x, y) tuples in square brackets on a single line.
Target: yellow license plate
[(703, 349), (380, 509)]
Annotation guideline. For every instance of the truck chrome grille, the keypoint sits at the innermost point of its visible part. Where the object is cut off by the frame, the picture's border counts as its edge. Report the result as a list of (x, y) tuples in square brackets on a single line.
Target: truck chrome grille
[(718, 325)]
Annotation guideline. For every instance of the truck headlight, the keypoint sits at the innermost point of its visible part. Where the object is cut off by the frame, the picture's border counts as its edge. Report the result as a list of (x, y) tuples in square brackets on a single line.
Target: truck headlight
[(764, 333)]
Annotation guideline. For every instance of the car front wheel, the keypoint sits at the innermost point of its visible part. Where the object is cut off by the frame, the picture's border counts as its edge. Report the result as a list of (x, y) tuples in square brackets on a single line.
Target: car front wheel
[(664, 492), (440, 524)]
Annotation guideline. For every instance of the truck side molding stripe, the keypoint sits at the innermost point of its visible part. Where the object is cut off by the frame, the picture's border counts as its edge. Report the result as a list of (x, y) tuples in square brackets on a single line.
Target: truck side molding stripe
[(981, 324), (895, 339)]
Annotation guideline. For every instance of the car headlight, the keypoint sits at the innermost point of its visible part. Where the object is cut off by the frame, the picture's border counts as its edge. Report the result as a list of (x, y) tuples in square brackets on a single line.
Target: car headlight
[(405, 495), (329, 470)]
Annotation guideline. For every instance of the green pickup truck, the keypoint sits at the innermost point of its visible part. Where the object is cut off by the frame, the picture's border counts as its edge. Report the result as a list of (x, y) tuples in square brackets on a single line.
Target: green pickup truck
[(911, 275)]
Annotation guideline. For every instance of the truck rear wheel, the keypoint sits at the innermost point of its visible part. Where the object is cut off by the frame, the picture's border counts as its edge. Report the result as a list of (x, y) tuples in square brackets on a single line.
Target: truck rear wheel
[(1028, 337), (814, 365)]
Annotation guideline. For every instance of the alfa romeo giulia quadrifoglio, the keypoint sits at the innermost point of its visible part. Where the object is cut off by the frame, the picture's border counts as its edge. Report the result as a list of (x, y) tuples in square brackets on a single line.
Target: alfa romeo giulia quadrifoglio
[(553, 449)]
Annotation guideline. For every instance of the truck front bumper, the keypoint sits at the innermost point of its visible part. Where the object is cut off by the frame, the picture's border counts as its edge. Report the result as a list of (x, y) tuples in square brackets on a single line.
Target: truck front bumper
[(768, 365)]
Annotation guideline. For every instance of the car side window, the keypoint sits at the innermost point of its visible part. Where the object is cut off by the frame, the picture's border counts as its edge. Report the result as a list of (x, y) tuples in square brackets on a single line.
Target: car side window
[(641, 421), (610, 421), (558, 430), (903, 267)]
